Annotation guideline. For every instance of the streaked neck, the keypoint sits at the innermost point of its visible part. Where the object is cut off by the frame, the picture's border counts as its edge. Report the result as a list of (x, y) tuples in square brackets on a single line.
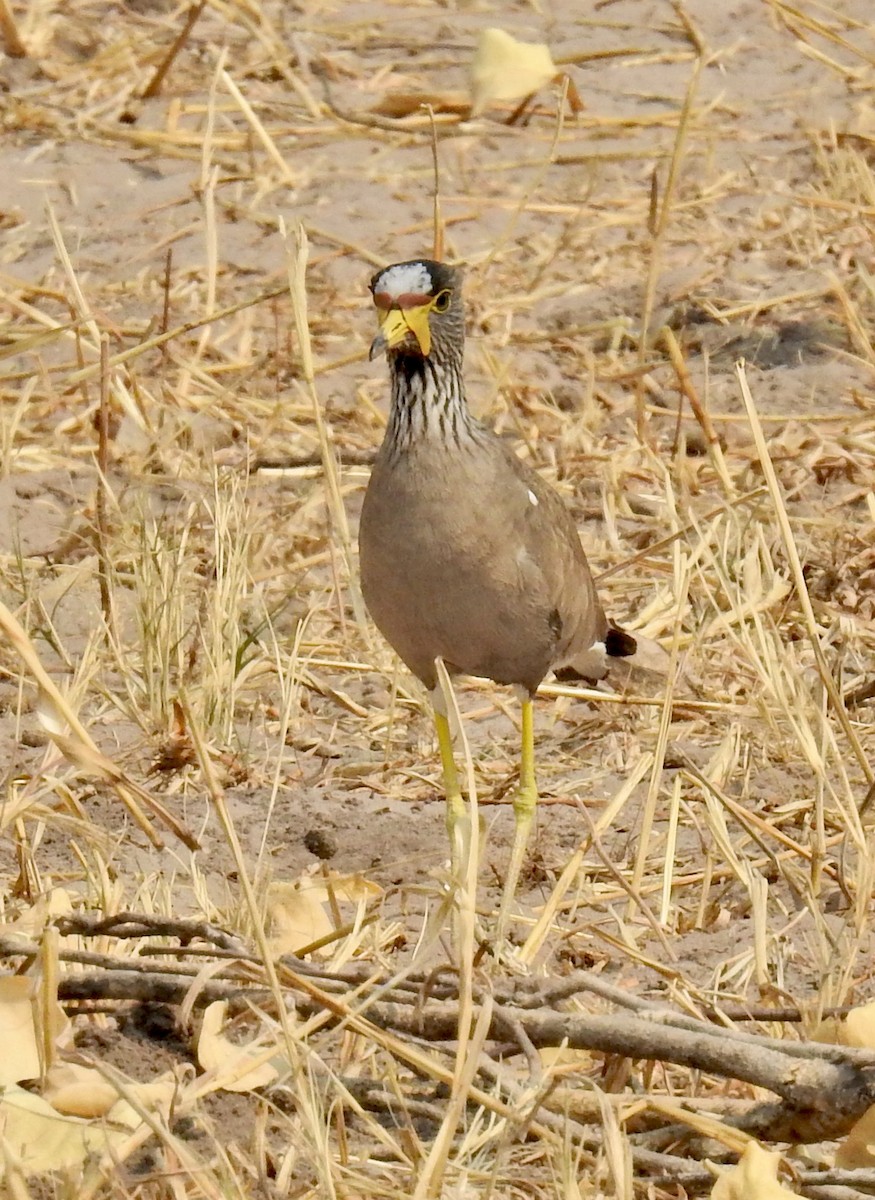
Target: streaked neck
[(428, 403)]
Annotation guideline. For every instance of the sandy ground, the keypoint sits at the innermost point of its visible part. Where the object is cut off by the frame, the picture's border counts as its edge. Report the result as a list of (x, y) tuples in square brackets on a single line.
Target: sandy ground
[(769, 237), (753, 148)]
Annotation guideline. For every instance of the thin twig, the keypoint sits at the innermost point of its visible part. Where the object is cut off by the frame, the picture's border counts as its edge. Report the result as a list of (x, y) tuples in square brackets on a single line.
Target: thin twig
[(101, 503), (153, 87)]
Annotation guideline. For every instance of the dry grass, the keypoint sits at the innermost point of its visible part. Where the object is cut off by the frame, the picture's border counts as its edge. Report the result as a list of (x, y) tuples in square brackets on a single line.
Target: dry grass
[(197, 607)]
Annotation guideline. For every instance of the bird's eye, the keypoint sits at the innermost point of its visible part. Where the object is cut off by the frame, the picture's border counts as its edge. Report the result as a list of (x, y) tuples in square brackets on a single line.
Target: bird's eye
[(442, 301)]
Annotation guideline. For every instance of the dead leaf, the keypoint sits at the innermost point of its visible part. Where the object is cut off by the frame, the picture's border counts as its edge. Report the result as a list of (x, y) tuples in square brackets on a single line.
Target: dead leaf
[(18, 1036), (31, 923), (858, 1148), (298, 916), (158, 1095), (858, 1029), (408, 104), (754, 1177), (300, 912), (235, 1067), (42, 1139), (355, 888), (21, 1031), (78, 1091), (505, 69), (830, 1031)]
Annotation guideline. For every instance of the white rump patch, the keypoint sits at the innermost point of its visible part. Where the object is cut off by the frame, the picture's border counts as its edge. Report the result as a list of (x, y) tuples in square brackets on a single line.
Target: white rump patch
[(404, 278), (592, 664), (533, 499)]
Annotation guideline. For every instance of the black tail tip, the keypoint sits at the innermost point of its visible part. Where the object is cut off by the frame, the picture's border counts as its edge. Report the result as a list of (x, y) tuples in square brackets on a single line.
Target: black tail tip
[(619, 643)]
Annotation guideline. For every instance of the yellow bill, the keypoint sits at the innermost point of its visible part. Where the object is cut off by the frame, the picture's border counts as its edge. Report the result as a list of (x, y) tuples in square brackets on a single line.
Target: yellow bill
[(397, 323)]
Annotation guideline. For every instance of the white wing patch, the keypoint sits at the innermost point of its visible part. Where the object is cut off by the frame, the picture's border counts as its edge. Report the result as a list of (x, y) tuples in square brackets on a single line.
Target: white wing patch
[(413, 277)]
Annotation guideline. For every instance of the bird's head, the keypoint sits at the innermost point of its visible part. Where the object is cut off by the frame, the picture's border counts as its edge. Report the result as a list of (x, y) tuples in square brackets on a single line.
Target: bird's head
[(419, 304)]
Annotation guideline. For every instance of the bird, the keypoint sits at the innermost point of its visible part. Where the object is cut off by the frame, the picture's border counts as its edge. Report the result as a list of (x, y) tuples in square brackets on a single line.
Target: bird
[(466, 553)]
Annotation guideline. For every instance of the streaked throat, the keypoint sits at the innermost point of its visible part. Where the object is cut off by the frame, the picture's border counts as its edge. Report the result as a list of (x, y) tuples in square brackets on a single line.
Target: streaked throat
[(428, 403)]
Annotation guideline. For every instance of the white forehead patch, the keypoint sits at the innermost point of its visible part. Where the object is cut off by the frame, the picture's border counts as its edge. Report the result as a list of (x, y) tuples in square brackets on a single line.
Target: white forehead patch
[(404, 278)]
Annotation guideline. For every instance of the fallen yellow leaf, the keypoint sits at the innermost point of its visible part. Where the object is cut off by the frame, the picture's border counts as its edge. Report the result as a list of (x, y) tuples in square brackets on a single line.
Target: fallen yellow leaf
[(42, 1139), (858, 1148), (56, 902), (859, 1028), (235, 1067), (298, 916), (830, 1030), (754, 1177), (300, 912), (406, 104), (78, 1091), (159, 1095), (355, 888), (18, 1034), (505, 69)]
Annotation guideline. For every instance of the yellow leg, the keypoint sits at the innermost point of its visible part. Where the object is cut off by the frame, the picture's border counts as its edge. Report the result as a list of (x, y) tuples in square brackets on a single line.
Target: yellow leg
[(524, 811), (455, 803)]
